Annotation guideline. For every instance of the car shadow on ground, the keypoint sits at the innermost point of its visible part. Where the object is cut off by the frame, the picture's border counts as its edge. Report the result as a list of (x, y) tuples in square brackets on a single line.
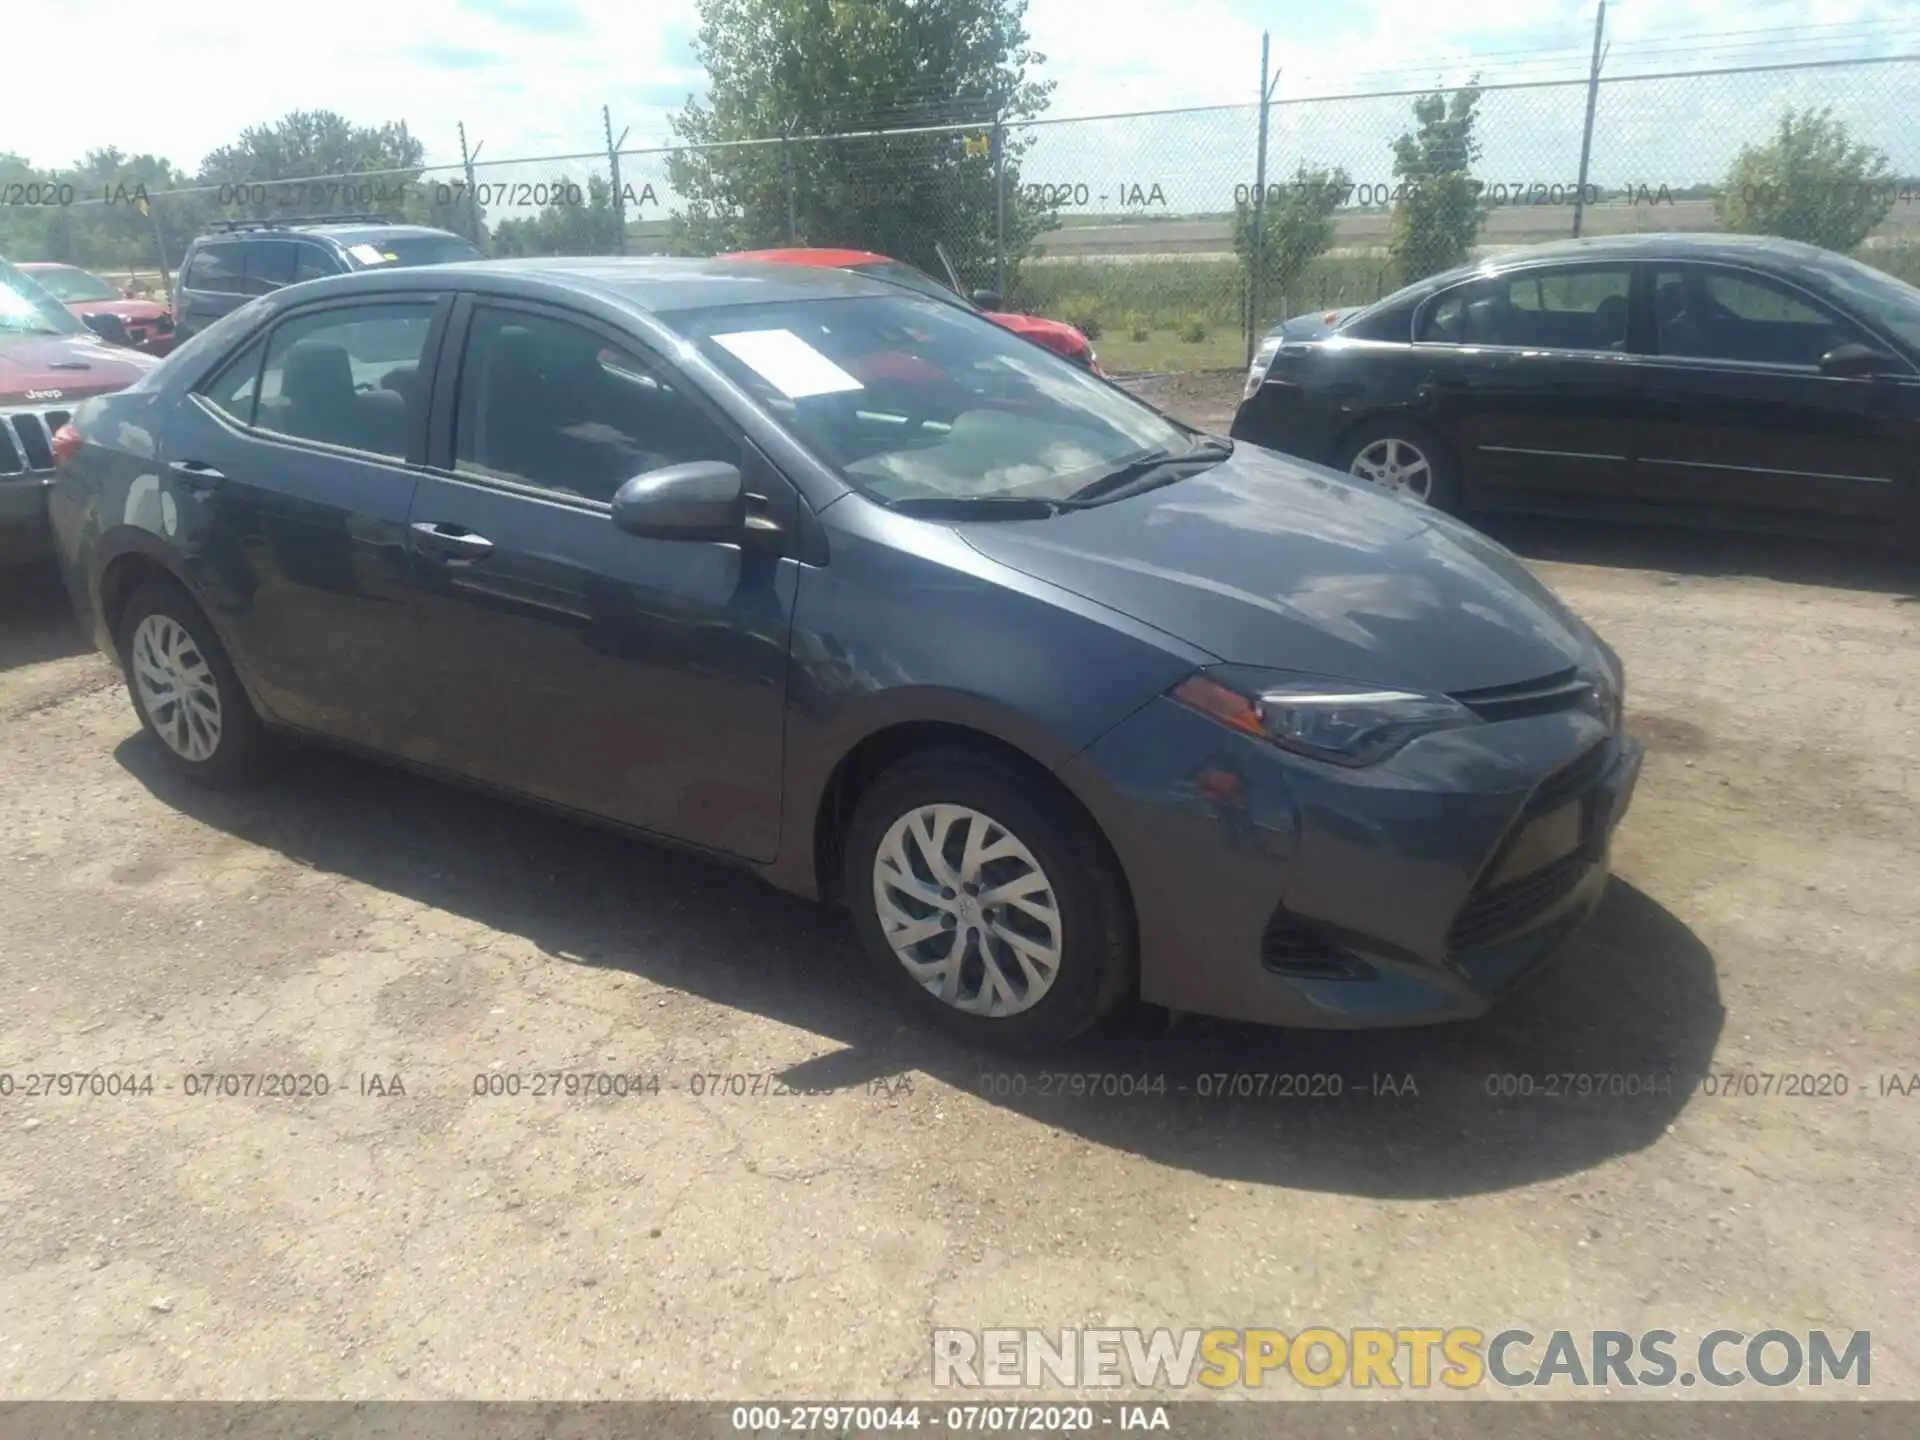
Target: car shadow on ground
[(1632, 1008), (36, 620), (1789, 559)]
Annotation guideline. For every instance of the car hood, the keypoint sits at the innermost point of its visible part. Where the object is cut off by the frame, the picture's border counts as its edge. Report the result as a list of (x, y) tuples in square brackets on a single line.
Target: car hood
[(1054, 334), (37, 368), (125, 309), (1263, 560)]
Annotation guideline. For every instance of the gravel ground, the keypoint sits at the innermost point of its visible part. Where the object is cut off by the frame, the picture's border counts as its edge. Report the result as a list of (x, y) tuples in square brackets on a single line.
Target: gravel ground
[(355, 923)]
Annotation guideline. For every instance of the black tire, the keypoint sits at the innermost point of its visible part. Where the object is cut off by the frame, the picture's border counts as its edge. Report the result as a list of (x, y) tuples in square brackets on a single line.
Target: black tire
[(1098, 953), (241, 751), (1444, 493)]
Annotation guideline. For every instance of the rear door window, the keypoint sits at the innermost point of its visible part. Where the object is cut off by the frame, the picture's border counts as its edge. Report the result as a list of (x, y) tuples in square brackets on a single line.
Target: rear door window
[(312, 262), (1574, 308), (270, 265), (216, 267), (348, 375)]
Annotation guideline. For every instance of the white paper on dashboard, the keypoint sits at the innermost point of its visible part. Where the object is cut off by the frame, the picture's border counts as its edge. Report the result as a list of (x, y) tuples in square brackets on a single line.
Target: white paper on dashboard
[(367, 255), (788, 363)]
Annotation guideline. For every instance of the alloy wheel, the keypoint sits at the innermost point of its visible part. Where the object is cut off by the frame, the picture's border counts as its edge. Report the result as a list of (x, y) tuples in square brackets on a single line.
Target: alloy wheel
[(1395, 464), (968, 910), (177, 688)]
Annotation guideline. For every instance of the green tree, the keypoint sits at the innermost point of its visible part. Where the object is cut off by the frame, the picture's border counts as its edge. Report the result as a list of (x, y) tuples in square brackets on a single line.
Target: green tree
[(1436, 217), (826, 67), (1811, 182), (1297, 229), (564, 228), (319, 162)]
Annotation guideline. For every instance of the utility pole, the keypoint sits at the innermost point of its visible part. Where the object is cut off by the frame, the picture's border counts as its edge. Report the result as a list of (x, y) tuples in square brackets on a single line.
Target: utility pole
[(1259, 203), (613, 168), (998, 162), (786, 168), (473, 195), (1593, 96)]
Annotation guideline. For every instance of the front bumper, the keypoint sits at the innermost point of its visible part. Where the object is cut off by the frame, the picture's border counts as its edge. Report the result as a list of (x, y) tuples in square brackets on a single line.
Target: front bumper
[(1278, 890)]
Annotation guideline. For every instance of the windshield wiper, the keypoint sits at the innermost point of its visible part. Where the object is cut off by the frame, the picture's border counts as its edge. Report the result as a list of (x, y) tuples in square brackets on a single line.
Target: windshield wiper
[(1148, 472), (977, 507)]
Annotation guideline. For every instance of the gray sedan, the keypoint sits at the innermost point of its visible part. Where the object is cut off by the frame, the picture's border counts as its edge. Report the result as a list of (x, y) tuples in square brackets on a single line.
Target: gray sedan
[(1063, 700)]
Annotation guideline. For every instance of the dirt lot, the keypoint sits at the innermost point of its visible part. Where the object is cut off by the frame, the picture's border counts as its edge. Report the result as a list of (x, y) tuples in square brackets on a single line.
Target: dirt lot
[(353, 922)]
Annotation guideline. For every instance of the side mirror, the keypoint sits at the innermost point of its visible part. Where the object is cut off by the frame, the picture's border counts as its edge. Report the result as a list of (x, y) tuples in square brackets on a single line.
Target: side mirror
[(702, 500), (987, 299), (110, 328), (1853, 359)]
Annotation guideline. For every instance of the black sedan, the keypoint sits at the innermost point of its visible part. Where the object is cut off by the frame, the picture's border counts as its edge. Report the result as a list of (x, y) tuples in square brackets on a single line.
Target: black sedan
[(1064, 700), (1691, 378)]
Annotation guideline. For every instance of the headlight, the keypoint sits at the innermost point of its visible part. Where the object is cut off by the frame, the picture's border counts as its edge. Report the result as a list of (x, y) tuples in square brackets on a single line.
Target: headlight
[(1333, 720), (1262, 359)]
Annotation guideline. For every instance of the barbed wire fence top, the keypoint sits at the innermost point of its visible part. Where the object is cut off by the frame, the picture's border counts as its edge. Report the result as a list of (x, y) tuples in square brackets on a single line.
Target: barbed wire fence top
[(1140, 227)]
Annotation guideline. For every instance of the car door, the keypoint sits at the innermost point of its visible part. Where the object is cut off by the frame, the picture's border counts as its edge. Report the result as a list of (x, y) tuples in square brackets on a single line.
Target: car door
[(637, 679), (1740, 417), (297, 456), (209, 285), (1532, 376)]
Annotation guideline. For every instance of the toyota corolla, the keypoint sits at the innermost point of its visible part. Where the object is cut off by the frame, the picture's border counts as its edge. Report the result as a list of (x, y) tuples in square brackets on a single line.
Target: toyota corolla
[(1065, 701)]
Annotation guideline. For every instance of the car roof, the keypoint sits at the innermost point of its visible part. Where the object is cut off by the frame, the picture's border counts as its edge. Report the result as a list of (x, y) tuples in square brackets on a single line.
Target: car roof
[(32, 265), (655, 284), (345, 231)]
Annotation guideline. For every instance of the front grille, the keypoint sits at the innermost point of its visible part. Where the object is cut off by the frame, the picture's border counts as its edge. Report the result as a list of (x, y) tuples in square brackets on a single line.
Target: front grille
[(26, 440), (1562, 690), (1495, 913)]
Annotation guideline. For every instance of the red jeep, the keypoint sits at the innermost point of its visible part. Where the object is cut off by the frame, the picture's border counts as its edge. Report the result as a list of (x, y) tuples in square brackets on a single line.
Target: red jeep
[(148, 324), (49, 361), (1055, 335)]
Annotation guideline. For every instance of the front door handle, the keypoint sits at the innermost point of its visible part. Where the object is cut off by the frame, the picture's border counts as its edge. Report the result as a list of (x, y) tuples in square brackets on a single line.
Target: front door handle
[(195, 476), (450, 542)]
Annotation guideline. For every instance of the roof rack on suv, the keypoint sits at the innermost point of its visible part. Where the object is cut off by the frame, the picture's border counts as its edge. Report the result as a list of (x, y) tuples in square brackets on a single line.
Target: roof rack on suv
[(287, 222)]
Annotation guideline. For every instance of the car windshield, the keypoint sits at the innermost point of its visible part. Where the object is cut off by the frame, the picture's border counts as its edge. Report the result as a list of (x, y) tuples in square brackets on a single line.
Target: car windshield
[(27, 309), (895, 272), (412, 250), (917, 400), (1891, 303), (69, 283)]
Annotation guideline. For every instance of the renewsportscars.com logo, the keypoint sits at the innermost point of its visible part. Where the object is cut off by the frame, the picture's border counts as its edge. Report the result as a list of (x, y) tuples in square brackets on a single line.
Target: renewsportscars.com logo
[(1414, 1358)]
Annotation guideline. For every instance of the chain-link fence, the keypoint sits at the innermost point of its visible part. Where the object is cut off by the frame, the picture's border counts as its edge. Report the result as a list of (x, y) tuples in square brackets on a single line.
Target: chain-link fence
[(1151, 231)]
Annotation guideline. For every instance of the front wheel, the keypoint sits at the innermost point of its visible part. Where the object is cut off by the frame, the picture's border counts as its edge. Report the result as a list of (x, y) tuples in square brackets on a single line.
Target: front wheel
[(991, 907), (1403, 457)]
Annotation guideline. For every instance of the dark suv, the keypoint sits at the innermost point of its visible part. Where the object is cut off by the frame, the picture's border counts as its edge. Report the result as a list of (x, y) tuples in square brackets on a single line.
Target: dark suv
[(240, 259)]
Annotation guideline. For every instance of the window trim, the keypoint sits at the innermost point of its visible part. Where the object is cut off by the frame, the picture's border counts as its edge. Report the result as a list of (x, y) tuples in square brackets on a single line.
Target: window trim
[(1804, 294), (449, 372), (1534, 268), (414, 459)]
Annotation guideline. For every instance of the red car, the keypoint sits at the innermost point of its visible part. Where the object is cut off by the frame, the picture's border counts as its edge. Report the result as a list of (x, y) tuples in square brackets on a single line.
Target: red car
[(49, 362), (149, 324), (1055, 335)]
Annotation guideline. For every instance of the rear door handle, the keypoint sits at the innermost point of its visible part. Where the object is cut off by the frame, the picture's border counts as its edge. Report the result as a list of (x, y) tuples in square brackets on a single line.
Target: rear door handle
[(450, 542), (196, 476)]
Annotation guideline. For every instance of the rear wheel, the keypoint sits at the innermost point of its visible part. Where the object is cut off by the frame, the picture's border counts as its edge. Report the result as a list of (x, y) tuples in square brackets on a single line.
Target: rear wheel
[(185, 690), (1404, 457), (990, 907)]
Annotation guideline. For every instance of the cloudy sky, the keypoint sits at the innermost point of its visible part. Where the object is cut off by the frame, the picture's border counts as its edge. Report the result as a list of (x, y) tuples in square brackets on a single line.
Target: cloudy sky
[(528, 77)]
